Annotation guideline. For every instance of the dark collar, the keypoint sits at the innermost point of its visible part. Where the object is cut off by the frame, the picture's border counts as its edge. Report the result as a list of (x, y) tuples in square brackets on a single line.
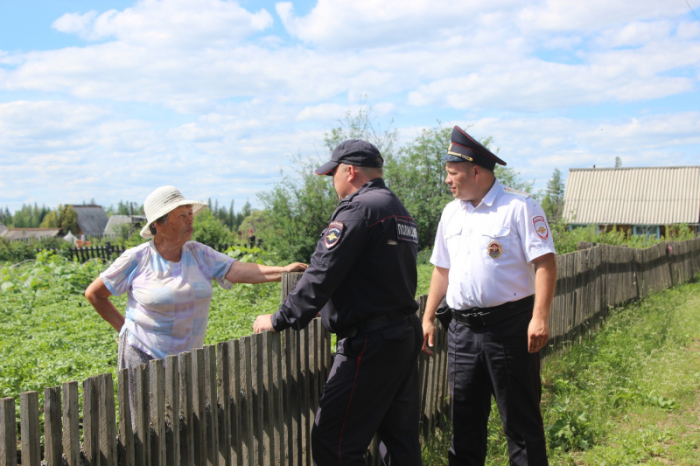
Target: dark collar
[(371, 184)]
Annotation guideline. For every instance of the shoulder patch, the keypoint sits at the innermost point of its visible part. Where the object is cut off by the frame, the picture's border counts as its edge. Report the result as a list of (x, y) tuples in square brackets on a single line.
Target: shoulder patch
[(333, 234), (515, 192), (540, 227), (406, 230)]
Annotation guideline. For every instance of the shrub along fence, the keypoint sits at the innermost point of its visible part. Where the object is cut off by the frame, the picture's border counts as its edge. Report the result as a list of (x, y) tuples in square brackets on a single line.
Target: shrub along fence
[(252, 401)]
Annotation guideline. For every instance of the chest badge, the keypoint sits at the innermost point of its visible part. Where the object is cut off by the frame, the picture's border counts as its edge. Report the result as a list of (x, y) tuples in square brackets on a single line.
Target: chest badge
[(333, 234), (494, 249)]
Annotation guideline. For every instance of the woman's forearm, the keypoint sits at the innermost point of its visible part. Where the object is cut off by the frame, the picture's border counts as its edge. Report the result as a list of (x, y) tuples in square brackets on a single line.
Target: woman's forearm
[(98, 295), (249, 272)]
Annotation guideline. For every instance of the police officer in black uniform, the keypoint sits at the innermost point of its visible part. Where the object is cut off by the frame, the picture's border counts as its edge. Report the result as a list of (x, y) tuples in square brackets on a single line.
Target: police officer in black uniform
[(362, 278)]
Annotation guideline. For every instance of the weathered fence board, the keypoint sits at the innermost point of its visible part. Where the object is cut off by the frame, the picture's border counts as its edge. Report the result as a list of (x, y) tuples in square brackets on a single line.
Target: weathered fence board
[(29, 428), (8, 433)]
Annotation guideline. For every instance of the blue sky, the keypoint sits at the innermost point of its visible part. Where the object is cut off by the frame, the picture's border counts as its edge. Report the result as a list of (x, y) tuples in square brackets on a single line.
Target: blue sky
[(109, 100)]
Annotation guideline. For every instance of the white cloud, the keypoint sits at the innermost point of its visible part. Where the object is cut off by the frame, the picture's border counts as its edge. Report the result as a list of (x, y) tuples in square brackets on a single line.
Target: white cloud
[(168, 23), (192, 93), (593, 15)]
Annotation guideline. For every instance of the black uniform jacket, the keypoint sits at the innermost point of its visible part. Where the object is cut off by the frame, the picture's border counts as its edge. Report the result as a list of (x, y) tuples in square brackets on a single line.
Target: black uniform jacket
[(364, 265)]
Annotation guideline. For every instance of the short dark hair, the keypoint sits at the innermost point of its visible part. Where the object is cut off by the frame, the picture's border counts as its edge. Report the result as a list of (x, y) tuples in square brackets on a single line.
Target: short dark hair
[(160, 221)]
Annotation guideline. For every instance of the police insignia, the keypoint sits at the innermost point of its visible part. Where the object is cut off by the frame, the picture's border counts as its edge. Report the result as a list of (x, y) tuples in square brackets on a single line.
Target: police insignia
[(406, 230), (541, 227), (333, 234), (495, 249)]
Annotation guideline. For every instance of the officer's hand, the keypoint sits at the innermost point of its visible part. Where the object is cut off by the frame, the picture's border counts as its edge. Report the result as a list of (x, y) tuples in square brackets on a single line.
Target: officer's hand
[(537, 334), (428, 335), (263, 323), (296, 267)]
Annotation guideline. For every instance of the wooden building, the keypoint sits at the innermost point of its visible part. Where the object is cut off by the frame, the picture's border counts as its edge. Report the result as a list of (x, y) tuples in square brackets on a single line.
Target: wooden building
[(641, 201)]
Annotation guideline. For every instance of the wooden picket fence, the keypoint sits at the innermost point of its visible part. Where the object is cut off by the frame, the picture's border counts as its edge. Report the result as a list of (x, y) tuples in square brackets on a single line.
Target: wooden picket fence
[(252, 401), (592, 281), (109, 251)]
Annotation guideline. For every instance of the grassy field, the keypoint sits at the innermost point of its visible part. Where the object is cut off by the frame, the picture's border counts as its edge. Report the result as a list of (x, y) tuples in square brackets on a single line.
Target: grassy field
[(629, 396)]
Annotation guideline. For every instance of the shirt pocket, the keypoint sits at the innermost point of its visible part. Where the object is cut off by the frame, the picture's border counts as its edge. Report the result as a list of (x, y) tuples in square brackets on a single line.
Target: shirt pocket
[(453, 239)]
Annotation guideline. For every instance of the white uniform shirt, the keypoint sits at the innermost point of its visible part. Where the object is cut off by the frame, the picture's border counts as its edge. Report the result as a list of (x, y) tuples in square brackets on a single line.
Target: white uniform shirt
[(488, 249)]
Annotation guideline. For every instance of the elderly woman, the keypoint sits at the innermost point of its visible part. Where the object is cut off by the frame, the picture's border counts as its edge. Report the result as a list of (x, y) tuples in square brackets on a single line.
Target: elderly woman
[(169, 283)]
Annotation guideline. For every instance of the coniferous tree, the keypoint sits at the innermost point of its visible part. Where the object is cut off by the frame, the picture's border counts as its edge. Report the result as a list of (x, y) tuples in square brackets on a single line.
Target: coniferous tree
[(553, 201)]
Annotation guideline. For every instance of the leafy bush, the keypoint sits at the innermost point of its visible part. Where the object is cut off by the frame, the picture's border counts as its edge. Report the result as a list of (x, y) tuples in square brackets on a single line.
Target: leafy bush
[(18, 251), (571, 429)]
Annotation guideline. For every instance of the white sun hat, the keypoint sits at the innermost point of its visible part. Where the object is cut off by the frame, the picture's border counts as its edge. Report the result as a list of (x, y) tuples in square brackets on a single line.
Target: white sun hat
[(163, 201)]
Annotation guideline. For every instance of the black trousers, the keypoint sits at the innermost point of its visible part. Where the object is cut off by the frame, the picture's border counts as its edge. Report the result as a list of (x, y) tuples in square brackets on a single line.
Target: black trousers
[(493, 360), (372, 388)]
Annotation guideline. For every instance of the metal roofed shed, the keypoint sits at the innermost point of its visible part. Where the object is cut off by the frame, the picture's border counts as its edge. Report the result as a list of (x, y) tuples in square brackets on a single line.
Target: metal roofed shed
[(643, 200), (92, 219), (115, 221)]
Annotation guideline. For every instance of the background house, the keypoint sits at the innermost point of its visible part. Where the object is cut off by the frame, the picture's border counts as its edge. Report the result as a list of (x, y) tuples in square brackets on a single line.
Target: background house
[(641, 201), (12, 234), (92, 219), (115, 222)]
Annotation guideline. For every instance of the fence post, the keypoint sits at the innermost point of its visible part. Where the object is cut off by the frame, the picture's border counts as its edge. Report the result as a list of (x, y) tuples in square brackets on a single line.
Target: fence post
[(8, 433), (53, 449), (29, 427)]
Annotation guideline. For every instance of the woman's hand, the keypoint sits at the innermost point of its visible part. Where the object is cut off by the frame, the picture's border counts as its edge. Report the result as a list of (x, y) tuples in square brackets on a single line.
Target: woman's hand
[(296, 267)]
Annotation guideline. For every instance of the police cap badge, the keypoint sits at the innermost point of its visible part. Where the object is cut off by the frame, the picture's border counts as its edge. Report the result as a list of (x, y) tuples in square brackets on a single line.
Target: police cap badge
[(465, 148)]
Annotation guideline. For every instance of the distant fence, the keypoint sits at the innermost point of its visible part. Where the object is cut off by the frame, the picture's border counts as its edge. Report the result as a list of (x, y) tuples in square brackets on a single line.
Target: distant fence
[(252, 401), (109, 251), (591, 281)]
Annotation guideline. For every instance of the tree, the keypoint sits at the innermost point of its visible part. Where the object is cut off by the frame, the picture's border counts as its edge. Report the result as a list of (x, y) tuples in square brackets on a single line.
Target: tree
[(298, 209), (618, 162), (68, 220), (362, 126), (209, 230), (553, 201), (417, 177), (300, 205), (51, 219)]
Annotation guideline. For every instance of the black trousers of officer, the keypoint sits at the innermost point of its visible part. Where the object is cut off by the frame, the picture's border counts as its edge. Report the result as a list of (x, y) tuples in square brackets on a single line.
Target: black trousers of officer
[(372, 388), (487, 360)]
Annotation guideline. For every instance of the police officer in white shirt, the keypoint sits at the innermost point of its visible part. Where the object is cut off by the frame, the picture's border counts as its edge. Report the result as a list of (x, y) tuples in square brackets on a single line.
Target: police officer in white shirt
[(494, 264)]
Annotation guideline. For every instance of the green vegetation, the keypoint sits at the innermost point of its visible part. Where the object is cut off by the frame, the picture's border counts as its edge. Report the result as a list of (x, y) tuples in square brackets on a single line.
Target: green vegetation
[(567, 241), (627, 396)]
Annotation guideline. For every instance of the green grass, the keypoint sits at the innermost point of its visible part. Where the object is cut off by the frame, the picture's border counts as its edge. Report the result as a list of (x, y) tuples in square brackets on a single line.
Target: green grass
[(631, 395)]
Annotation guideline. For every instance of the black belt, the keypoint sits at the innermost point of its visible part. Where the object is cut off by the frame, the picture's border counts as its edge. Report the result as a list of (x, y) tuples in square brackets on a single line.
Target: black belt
[(478, 316), (372, 324)]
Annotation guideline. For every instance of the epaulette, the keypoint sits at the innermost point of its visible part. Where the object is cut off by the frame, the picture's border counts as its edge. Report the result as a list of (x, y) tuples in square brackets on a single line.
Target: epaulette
[(515, 192)]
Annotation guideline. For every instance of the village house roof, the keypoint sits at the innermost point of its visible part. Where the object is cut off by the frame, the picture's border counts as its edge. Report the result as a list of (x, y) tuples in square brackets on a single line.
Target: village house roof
[(633, 196), (115, 221), (26, 233), (92, 219)]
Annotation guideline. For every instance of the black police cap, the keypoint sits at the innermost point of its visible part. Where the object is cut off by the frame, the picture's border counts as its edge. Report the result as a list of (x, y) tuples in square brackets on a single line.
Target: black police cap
[(465, 148), (352, 152)]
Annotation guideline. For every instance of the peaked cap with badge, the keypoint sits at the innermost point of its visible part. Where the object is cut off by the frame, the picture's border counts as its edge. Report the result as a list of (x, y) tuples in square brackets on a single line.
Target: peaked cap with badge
[(464, 148)]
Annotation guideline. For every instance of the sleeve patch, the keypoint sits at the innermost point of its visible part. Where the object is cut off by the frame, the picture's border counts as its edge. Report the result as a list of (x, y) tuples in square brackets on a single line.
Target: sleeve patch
[(541, 227), (333, 234), (406, 230)]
